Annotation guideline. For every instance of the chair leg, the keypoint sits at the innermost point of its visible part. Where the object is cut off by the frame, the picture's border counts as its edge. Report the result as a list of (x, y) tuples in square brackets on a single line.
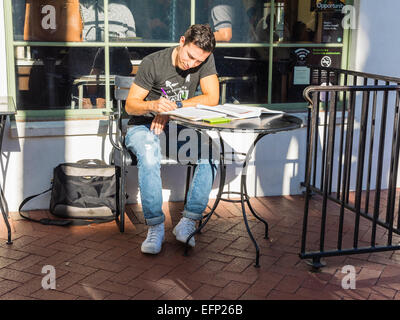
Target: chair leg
[(122, 216), (111, 157), (188, 178), (121, 200)]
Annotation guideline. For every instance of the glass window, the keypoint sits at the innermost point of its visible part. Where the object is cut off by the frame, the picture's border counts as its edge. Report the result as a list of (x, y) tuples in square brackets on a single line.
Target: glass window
[(243, 74), (62, 55), (315, 21), (159, 20), (58, 21), (290, 74), (59, 77), (232, 20), (92, 13), (243, 71)]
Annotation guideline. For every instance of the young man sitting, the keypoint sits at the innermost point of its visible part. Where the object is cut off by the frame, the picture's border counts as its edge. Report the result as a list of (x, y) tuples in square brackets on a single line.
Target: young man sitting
[(167, 80)]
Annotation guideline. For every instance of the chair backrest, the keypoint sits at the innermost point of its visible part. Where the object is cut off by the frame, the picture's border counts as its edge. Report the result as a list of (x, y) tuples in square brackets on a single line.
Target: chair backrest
[(121, 87)]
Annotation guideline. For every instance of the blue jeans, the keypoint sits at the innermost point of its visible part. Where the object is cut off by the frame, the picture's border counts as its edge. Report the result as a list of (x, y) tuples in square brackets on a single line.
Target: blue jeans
[(147, 147)]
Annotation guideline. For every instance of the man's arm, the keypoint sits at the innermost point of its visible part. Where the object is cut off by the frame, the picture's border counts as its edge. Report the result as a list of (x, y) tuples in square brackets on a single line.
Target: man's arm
[(222, 15), (210, 88), (223, 35), (135, 104)]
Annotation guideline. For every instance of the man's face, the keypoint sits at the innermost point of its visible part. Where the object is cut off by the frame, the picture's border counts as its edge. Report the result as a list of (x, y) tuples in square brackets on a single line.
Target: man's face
[(190, 56)]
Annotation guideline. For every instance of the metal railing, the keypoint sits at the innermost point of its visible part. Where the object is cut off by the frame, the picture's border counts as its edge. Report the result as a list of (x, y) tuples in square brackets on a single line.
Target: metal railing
[(353, 143)]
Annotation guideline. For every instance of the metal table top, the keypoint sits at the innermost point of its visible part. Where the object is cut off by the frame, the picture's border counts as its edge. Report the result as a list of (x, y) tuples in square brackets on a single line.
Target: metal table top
[(264, 124)]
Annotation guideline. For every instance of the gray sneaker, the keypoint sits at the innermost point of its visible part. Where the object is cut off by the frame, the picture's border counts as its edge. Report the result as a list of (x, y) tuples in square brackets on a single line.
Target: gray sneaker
[(184, 229), (154, 240)]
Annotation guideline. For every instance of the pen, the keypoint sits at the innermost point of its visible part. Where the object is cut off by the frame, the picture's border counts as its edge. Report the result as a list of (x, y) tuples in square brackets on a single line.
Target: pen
[(165, 94)]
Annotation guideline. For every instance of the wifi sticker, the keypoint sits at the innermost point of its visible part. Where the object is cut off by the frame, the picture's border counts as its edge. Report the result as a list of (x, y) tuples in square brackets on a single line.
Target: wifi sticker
[(301, 54)]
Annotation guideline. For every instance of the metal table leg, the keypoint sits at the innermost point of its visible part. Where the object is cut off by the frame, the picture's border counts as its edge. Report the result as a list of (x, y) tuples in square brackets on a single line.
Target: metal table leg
[(244, 198), (3, 202), (4, 212)]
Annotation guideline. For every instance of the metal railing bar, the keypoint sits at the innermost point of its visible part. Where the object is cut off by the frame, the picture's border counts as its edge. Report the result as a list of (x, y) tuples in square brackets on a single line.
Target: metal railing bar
[(392, 192), (348, 89), (381, 149), (371, 148), (348, 251), (324, 139), (394, 164), (312, 133), (342, 194), (327, 166), (341, 140), (350, 128), (360, 163), (347, 158), (316, 134), (333, 135)]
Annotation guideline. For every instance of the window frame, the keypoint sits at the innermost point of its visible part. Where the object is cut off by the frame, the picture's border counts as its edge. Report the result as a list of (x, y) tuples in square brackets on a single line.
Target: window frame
[(63, 114)]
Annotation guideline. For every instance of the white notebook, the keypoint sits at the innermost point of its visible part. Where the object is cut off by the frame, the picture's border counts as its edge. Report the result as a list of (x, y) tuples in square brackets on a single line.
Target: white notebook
[(233, 111), (194, 113)]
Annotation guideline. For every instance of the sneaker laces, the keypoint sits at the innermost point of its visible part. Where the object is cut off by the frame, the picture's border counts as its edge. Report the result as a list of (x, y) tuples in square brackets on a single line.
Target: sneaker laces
[(189, 226), (154, 233)]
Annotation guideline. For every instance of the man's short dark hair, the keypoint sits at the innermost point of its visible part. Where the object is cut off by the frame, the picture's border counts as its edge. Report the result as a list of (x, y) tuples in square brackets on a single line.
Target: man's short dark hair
[(202, 36)]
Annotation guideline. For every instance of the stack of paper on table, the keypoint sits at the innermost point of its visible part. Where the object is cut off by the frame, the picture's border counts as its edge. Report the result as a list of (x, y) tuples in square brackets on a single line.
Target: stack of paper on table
[(193, 113), (227, 110)]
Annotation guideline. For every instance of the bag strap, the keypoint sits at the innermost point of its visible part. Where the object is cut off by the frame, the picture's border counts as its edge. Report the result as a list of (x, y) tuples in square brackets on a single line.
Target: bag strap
[(45, 221), (58, 222)]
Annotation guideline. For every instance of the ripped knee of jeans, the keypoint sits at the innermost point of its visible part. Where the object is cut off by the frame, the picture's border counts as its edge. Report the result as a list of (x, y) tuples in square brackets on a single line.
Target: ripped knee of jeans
[(150, 155), (150, 152)]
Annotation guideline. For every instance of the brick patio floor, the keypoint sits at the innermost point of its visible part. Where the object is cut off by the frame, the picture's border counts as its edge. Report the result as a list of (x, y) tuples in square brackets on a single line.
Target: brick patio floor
[(97, 262)]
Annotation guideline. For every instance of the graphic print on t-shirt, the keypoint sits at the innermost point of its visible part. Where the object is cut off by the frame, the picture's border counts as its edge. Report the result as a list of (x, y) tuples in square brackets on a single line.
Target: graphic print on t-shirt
[(176, 92)]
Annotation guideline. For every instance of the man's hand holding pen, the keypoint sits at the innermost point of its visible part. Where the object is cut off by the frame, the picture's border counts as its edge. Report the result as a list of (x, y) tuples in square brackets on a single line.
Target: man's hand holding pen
[(164, 104), (161, 105)]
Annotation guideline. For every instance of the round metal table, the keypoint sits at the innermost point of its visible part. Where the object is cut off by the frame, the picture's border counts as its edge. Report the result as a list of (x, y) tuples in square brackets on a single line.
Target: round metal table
[(262, 126)]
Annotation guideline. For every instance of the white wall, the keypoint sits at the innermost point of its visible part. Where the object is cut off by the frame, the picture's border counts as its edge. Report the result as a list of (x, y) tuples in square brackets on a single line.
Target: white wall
[(376, 44), (276, 168), (375, 49)]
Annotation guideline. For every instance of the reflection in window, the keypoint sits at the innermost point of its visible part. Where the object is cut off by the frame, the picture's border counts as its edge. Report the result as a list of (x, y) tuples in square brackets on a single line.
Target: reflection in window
[(243, 74), (263, 26), (39, 20), (317, 21), (160, 20), (232, 20), (73, 20), (121, 23), (52, 78)]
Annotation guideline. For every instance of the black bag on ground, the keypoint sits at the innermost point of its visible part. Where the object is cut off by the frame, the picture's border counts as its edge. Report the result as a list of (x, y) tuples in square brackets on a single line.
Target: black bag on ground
[(85, 190)]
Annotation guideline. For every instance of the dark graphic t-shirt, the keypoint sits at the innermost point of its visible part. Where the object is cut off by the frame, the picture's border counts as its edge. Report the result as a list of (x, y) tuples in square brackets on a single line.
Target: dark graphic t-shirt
[(156, 71)]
